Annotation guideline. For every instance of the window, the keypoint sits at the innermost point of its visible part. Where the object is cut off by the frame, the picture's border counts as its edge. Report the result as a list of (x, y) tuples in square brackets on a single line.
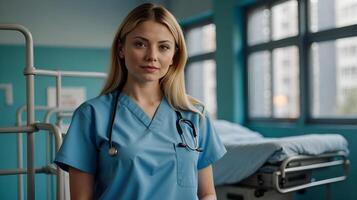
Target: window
[(334, 63), (201, 66), (286, 96), (324, 47), (259, 84), (273, 62), (330, 14), (284, 20)]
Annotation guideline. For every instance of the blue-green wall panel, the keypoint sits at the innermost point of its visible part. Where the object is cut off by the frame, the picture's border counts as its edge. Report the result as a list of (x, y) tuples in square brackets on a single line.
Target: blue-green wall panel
[(229, 70), (12, 62)]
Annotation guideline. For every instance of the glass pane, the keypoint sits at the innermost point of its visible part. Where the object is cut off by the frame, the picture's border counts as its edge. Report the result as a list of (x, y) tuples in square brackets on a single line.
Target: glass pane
[(285, 20), (327, 14), (201, 39), (258, 26), (334, 81), (286, 82), (259, 84), (201, 83)]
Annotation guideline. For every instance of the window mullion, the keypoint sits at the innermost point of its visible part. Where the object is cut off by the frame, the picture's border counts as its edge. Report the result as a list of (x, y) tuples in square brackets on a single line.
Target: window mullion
[(274, 44), (271, 65), (333, 34), (304, 64), (271, 84), (200, 57)]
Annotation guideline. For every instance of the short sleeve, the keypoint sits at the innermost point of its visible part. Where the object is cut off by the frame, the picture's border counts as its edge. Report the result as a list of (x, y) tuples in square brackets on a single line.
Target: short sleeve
[(213, 148), (78, 149)]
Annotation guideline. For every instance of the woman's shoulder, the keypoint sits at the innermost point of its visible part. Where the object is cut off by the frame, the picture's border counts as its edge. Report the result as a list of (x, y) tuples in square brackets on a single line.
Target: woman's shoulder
[(97, 104), (195, 115), (200, 107)]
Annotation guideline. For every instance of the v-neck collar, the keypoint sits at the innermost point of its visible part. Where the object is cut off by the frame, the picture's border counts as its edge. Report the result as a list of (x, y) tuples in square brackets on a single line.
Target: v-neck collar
[(157, 119)]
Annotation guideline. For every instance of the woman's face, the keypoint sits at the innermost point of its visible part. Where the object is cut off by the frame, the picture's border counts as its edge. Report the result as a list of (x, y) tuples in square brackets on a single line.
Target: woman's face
[(148, 52)]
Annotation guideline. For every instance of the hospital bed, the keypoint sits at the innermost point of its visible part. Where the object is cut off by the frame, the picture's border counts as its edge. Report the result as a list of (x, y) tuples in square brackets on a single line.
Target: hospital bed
[(272, 168), (32, 126)]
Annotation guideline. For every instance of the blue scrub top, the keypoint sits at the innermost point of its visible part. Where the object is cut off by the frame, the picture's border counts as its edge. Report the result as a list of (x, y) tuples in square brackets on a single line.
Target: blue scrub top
[(149, 164)]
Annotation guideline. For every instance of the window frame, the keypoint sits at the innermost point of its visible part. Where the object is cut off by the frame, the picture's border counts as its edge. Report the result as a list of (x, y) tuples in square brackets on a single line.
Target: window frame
[(303, 41), (196, 22)]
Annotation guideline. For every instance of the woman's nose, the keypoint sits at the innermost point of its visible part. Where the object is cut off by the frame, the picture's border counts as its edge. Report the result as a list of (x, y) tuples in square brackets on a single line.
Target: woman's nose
[(151, 54)]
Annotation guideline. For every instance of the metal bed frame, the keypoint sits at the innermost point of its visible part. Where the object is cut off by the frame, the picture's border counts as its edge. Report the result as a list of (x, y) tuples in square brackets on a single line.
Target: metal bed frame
[(31, 126), (295, 173), (49, 168)]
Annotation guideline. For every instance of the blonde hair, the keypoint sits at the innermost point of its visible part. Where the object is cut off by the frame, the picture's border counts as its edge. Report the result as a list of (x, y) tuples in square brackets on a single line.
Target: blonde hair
[(173, 83)]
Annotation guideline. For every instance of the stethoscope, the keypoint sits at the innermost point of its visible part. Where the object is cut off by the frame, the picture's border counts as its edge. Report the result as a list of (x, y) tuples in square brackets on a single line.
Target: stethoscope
[(113, 151)]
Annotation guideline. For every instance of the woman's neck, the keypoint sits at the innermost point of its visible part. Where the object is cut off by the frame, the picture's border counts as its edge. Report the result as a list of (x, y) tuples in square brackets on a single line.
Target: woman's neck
[(148, 97), (144, 94)]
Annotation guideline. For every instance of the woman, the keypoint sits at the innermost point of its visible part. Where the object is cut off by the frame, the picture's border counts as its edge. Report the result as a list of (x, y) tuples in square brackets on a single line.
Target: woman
[(126, 143)]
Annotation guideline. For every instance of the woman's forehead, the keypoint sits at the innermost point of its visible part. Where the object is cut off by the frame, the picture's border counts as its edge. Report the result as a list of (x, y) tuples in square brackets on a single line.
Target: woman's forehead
[(152, 30)]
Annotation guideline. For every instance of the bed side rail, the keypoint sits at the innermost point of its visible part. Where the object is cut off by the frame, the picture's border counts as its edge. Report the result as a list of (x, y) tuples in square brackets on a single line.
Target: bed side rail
[(36, 127), (334, 159)]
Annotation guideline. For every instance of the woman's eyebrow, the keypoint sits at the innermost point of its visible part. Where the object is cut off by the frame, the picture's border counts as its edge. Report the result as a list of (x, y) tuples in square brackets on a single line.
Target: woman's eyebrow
[(147, 40)]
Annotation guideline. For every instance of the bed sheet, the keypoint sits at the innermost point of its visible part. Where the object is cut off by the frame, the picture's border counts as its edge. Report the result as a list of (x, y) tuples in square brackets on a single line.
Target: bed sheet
[(247, 150)]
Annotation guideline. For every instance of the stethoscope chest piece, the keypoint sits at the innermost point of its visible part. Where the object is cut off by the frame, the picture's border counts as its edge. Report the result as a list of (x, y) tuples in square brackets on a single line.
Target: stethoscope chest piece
[(113, 151)]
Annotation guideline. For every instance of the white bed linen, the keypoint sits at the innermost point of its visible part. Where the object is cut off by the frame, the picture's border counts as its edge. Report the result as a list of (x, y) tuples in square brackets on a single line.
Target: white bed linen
[(247, 150)]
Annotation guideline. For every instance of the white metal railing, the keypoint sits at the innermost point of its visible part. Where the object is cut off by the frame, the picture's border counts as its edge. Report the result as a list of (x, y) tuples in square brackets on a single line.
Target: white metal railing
[(280, 175), (31, 127)]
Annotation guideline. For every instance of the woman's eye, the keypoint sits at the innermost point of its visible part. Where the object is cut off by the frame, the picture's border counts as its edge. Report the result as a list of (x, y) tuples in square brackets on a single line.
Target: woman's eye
[(139, 44), (164, 47)]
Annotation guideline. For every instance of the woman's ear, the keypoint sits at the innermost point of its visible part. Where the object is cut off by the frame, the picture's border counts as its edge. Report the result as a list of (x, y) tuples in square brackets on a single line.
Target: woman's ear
[(173, 59), (121, 52)]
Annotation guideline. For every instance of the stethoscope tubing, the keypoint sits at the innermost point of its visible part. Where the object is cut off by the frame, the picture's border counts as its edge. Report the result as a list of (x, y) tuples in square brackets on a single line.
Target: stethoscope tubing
[(113, 151)]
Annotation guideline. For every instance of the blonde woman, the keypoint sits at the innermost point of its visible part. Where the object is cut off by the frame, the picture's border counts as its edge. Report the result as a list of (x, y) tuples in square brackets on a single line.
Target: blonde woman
[(143, 137)]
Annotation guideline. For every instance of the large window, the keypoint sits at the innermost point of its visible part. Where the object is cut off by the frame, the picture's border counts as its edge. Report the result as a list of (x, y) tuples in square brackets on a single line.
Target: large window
[(273, 61), (201, 66), (333, 58), (302, 59)]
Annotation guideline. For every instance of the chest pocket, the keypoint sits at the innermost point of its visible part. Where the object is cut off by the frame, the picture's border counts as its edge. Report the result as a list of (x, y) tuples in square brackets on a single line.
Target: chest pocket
[(186, 166)]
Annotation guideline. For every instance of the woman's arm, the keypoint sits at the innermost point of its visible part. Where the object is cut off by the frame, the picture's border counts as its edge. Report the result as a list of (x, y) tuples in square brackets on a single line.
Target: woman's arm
[(206, 189), (81, 184)]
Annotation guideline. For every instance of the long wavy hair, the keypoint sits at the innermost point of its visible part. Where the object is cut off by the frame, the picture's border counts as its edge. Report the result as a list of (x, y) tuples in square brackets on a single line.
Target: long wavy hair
[(173, 83)]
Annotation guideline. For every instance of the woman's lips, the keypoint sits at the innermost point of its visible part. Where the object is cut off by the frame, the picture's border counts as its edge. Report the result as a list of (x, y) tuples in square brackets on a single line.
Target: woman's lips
[(150, 69)]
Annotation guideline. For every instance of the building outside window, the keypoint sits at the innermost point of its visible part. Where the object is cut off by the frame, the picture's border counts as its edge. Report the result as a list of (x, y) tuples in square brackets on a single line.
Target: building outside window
[(201, 67), (334, 61), (328, 37)]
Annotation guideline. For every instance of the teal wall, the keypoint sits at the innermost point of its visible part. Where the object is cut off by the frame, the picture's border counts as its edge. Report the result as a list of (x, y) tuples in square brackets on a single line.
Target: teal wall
[(229, 71), (90, 25), (228, 17), (12, 62)]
